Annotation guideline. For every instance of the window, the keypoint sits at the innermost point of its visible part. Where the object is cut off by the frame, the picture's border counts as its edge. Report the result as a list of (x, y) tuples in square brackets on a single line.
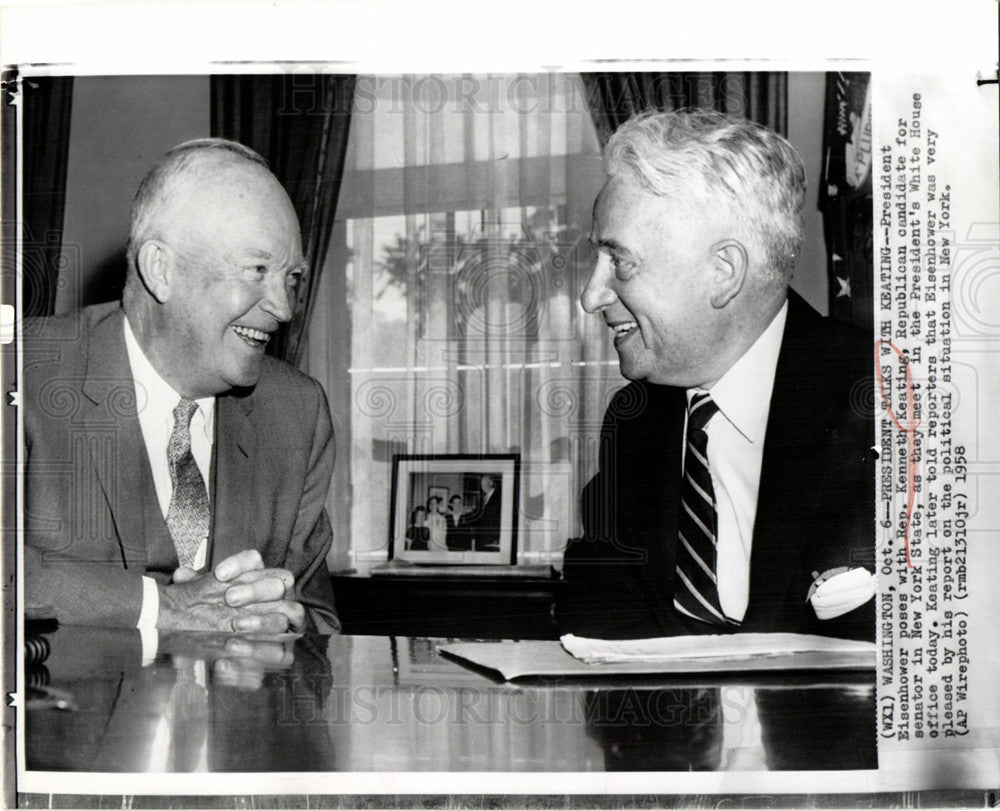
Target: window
[(447, 319)]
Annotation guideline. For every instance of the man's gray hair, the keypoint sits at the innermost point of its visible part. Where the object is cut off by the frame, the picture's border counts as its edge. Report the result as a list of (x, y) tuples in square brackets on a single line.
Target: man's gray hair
[(153, 189), (717, 158)]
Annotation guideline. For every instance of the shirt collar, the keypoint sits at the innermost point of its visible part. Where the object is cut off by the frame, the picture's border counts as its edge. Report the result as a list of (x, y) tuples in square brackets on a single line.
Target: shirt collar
[(743, 394), (156, 398)]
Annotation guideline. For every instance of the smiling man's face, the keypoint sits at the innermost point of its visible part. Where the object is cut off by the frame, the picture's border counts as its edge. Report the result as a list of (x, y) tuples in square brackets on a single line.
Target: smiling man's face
[(238, 261), (652, 283)]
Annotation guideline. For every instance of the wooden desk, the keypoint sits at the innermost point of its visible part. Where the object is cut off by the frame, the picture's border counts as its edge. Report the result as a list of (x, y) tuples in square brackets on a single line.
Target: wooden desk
[(357, 703), (482, 607)]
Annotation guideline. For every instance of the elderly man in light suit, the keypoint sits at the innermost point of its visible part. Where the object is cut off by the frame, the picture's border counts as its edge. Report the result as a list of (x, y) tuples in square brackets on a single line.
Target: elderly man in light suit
[(175, 474)]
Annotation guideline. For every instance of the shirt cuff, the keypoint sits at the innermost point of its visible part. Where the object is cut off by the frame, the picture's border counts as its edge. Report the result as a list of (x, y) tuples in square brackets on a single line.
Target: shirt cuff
[(150, 611)]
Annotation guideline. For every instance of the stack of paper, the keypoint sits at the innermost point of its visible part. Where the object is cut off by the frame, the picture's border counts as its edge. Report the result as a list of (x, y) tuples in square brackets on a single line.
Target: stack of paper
[(735, 646), (744, 653)]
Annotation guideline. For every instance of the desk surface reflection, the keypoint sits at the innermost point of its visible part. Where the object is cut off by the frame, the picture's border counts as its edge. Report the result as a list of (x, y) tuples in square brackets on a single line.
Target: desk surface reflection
[(366, 703)]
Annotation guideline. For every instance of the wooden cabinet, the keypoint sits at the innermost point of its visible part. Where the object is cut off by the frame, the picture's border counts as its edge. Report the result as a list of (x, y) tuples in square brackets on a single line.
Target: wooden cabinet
[(447, 606)]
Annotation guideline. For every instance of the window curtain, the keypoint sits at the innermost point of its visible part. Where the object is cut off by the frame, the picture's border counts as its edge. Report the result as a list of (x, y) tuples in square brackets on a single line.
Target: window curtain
[(616, 97), (449, 310), (47, 108), (299, 123)]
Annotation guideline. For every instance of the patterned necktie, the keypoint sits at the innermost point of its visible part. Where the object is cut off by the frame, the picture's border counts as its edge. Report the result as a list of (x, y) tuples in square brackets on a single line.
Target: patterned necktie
[(187, 517), (696, 589)]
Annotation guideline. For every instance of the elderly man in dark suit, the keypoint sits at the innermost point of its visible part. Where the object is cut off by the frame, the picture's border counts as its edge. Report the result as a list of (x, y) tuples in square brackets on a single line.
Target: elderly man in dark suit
[(484, 523), (175, 474), (737, 470)]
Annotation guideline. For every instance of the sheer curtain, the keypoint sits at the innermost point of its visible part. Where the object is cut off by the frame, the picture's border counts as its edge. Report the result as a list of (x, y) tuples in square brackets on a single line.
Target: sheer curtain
[(447, 319)]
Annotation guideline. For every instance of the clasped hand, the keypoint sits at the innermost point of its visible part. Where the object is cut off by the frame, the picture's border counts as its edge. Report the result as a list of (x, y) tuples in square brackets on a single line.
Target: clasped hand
[(239, 594)]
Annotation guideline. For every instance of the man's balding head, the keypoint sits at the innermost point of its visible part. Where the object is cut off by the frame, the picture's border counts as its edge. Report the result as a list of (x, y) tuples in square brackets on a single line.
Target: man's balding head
[(214, 258), (162, 187)]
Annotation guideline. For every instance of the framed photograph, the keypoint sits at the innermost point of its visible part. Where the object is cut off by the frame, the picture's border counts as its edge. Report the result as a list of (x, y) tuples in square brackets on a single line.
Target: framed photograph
[(454, 508), (440, 493)]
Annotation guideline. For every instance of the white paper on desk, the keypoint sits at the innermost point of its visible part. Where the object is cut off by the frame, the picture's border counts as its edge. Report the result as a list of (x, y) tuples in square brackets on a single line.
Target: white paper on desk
[(735, 646), (688, 655)]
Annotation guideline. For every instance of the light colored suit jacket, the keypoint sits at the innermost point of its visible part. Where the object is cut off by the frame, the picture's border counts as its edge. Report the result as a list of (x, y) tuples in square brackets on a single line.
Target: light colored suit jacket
[(93, 526)]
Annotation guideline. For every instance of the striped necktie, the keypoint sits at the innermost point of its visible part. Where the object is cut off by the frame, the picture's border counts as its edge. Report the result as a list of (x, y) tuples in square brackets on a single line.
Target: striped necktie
[(696, 588), (188, 515)]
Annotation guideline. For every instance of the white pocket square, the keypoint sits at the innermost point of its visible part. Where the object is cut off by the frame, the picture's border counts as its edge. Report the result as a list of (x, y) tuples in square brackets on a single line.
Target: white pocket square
[(840, 590)]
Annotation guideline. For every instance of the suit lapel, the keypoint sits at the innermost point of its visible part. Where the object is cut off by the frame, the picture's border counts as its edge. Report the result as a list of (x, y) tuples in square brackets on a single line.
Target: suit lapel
[(232, 476), (800, 406), (656, 501), (116, 451), (114, 446)]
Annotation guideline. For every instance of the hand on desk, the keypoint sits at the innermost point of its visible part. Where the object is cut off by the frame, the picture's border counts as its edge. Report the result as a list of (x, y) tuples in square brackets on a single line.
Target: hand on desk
[(238, 595)]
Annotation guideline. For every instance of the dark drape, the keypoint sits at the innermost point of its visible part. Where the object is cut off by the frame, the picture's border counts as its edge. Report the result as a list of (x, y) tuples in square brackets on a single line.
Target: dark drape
[(45, 127), (616, 97), (845, 197), (299, 123)]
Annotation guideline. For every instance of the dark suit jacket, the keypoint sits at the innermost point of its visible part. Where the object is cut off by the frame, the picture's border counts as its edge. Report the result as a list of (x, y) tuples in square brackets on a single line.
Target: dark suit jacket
[(92, 521), (457, 539), (484, 524), (815, 508)]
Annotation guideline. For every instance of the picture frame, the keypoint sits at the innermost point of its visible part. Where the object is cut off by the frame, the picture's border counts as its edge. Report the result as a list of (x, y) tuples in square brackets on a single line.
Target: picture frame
[(431, 517)]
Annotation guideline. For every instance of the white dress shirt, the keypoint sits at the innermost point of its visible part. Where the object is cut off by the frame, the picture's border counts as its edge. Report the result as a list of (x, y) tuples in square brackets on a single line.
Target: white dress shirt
[(735, 451), (155, 401)]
